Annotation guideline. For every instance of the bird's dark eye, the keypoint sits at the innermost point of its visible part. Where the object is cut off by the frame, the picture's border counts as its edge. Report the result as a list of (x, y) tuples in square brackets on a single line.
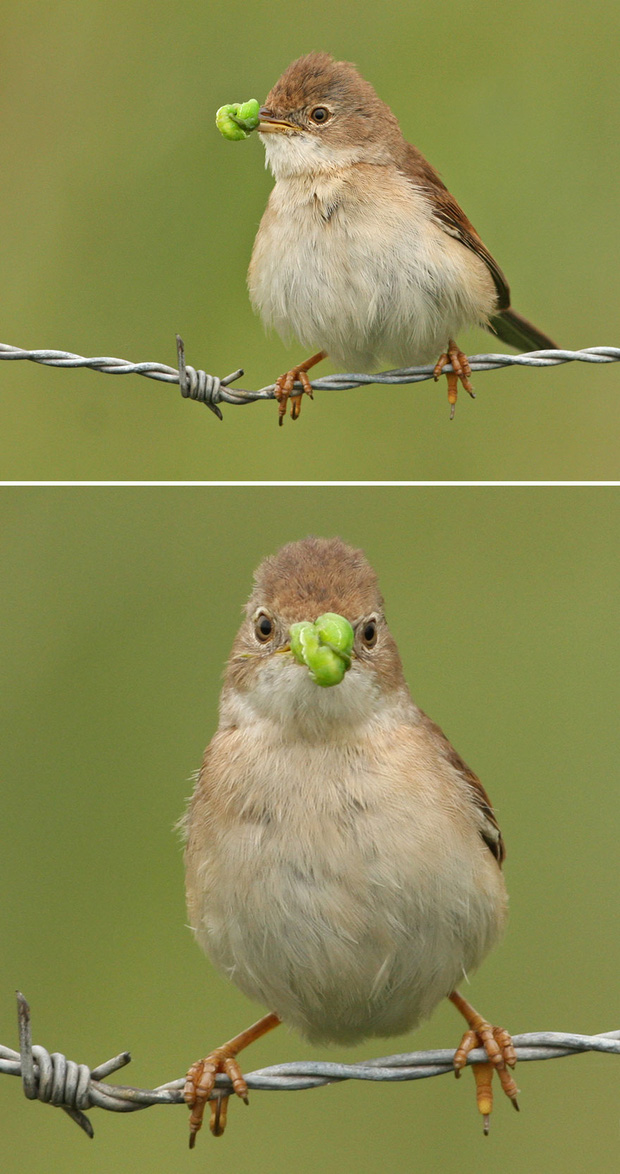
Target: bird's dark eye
[(263, 627), (369, 633), (319, 114)]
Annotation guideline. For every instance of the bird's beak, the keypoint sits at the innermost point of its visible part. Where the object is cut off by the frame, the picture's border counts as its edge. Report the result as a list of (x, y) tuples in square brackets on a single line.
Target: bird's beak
[(269, 124)]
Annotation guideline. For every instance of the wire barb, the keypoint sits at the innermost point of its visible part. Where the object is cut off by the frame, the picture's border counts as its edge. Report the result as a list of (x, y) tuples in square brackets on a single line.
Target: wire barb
[(75, 1087), (196, 384), (211, 391)]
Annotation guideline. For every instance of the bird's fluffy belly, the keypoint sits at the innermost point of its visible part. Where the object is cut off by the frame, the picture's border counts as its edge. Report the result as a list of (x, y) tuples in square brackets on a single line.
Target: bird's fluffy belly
[(316, 275), (329, 920)]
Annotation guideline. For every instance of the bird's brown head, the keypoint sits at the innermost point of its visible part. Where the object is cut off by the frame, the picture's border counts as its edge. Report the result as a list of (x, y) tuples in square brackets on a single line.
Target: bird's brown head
[(322, 114), (299, 584)]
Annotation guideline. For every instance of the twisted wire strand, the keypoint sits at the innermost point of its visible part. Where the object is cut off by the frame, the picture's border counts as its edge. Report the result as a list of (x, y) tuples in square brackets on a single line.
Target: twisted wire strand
[(211, 390), (76, 1087)]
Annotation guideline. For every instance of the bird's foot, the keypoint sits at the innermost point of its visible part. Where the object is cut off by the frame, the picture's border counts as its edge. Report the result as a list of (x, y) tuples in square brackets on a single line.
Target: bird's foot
[(285, 386), (460, 370), (499, 1048), (199, 1085), (200, 1080)]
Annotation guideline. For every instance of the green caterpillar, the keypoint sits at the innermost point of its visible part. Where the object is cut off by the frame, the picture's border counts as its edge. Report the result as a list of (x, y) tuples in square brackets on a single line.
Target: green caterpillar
[(324, 647), (236, 120)]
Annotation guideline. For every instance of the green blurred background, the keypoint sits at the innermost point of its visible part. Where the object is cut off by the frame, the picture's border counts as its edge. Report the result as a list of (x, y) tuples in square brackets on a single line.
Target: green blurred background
[(126, 217), (119, 608)]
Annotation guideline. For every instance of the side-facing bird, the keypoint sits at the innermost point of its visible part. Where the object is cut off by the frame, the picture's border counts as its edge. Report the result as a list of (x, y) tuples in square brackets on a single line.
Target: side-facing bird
[(362, 253), (343, 864)]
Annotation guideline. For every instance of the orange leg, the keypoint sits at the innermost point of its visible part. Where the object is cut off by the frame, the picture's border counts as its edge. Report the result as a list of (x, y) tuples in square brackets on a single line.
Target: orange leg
[(460, 370), (200, 1080), (284, 386), (499, 1049)]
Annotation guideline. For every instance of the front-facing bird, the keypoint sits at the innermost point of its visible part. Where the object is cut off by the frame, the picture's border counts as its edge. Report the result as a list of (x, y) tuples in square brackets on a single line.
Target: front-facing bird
[(343, 864), (362, 252)]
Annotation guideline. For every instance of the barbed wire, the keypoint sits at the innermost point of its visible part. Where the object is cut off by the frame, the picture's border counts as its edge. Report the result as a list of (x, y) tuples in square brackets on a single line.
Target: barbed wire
[(211, 390), (51, 1078)]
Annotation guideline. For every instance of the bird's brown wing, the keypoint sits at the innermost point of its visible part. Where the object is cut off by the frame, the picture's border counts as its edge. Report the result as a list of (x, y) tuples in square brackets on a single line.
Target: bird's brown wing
[(451, 216), (489, 827), (490, 830)]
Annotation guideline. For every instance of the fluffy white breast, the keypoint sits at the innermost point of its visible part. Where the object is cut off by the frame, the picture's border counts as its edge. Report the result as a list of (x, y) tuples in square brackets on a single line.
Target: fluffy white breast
[(351, 261)]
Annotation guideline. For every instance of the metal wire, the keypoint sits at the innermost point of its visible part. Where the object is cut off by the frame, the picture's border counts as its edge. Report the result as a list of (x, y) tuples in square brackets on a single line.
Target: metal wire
[(75, 1087), (211, 391)]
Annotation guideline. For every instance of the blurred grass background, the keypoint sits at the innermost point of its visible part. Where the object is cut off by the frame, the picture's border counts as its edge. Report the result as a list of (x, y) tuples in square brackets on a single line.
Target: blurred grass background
[(126, 217), (119, 608)]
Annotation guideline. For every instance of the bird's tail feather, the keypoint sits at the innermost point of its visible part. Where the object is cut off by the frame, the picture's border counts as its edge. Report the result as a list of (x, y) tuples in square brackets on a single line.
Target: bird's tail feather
[(519, 333)]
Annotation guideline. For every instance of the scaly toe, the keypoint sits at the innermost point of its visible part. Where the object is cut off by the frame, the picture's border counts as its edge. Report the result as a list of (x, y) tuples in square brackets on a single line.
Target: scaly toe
[(282, 395), (504, 1040), (483, 1075), (440, 364), (462, 369)]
